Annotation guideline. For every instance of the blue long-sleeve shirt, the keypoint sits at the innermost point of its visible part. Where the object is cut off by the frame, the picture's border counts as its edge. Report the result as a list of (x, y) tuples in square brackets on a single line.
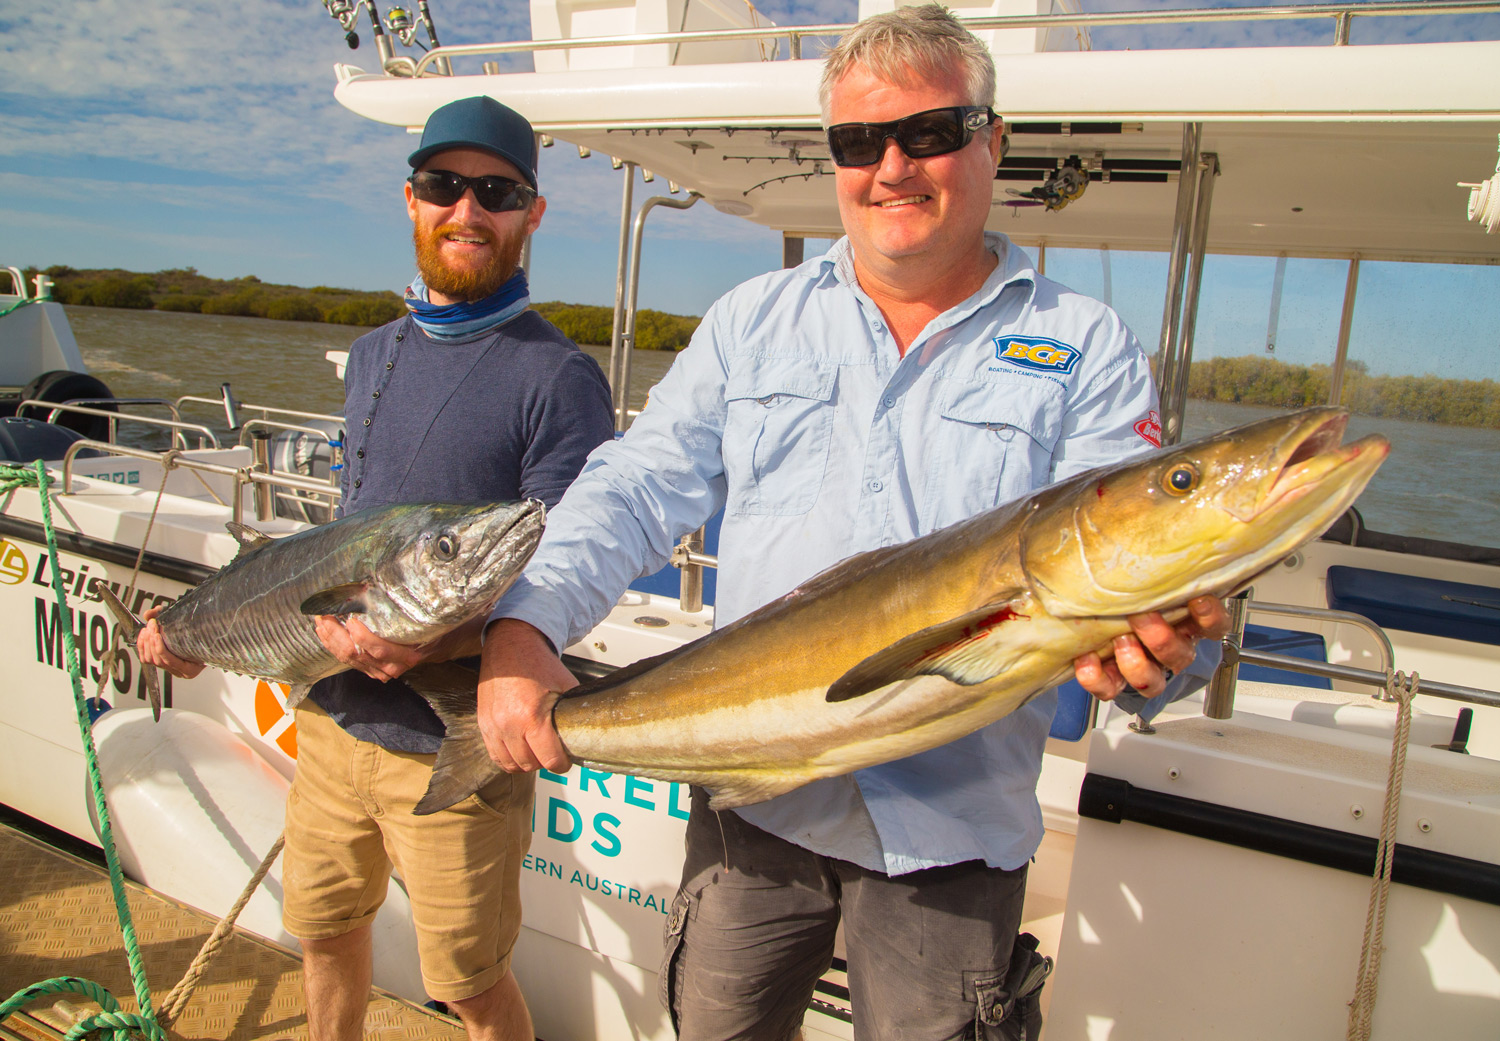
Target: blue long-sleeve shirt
[(794, 410)]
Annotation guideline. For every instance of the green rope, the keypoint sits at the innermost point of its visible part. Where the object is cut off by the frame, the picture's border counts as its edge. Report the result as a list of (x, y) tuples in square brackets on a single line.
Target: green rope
[(110, 1022), (16, 306)]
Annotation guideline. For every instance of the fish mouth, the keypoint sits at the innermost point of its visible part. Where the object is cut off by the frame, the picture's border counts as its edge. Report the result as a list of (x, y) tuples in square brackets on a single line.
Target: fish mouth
[(525, 526), (1314, 452)]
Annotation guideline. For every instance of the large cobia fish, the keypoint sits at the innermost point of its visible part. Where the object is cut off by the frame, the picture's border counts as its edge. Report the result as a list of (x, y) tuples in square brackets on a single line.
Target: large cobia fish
[(899, 650), (411, 572)]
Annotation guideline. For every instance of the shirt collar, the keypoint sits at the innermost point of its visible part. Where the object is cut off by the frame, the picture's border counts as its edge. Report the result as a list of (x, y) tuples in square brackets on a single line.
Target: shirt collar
[(1014, 266)]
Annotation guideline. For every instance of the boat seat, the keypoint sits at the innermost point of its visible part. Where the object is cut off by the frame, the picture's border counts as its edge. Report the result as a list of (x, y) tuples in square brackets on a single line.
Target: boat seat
[(1418, 605)]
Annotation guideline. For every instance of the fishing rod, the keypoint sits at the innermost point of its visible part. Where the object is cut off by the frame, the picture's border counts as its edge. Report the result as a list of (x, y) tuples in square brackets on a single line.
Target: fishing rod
[(401, 27)]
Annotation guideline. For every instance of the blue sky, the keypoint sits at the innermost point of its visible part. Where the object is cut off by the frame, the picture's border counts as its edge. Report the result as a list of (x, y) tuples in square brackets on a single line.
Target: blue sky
[(198, 133)]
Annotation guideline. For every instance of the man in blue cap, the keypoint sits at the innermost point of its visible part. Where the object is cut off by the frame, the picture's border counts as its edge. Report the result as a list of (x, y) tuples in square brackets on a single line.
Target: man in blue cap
[(469, 398)]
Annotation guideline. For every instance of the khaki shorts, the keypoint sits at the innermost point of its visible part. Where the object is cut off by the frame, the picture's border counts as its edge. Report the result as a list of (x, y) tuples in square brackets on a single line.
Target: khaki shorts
[(349, 820)]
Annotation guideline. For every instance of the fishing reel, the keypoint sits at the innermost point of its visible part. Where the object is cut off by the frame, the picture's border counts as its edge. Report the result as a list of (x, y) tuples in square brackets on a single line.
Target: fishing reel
[(346, 14), (401, 25), (398, 21), (1061, 187)]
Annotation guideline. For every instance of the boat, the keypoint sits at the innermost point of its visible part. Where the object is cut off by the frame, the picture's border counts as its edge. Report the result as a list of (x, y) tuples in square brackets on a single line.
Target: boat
[(1228, 846)]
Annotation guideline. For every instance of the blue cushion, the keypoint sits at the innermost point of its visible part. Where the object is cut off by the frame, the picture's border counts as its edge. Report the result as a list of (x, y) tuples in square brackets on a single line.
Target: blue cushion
[(1291, 642), (1417, 605)]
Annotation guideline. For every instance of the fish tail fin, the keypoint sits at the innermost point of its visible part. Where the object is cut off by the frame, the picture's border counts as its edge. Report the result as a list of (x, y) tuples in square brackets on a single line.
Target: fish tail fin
[(130, 623), (130, 628), (463, 764)]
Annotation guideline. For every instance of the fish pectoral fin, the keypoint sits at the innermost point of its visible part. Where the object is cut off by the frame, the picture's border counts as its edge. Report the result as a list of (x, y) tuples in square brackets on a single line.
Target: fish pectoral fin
[(463, 764), (338, 600), (249, 539), (965, 650)]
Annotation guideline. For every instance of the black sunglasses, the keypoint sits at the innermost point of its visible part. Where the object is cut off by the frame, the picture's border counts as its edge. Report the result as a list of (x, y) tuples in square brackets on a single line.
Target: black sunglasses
[(921, 135), (445, 188)]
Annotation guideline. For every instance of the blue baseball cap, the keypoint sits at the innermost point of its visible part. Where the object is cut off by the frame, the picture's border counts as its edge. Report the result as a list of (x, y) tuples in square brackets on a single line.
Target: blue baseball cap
[(481, 123)]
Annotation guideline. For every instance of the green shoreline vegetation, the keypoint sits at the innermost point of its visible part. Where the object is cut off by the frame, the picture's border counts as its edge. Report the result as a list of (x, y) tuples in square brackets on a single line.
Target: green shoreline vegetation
[(1248, 380), (183, 289), (1253, 380)]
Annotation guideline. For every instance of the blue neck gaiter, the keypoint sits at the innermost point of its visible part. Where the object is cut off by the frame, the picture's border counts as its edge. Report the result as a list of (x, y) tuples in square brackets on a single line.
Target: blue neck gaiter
[(467, 318)]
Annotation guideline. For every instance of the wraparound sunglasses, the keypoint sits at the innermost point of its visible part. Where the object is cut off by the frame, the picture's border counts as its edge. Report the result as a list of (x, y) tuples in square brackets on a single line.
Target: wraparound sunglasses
[(921, 135), (445, 188)]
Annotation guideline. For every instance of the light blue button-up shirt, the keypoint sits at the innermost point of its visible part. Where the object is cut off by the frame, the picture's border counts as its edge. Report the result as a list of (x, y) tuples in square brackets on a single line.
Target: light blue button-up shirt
[(794, 410)]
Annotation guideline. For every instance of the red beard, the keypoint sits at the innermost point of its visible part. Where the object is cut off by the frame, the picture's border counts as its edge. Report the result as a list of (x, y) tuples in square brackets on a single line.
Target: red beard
[(468, 282)]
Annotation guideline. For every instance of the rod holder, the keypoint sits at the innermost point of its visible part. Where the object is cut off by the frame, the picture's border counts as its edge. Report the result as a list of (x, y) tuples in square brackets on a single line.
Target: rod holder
[(690, 591), (1218, 700), (265, 495)]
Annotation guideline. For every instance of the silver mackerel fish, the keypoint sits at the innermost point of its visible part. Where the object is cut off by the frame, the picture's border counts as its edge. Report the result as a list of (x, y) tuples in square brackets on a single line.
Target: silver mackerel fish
[(902, 649), (410, 572)]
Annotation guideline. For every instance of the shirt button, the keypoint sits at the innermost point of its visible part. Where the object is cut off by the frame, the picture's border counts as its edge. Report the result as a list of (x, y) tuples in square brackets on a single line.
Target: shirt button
[(376, 394), (877, 327), (367, 421), (390, 365), (889, 402), (874, 486), (399, 338), (360, 453), (358, 481)]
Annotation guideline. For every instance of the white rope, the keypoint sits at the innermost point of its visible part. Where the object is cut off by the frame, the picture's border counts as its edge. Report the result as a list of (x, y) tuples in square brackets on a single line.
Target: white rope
[(1362, 1008)]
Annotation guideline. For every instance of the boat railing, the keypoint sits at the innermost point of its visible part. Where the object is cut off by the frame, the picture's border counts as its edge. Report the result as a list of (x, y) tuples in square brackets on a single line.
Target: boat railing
[(179, 429), (302, 489), (232, 407), (1326, 614), (18, 282), (1341, 14), (1218, 702)]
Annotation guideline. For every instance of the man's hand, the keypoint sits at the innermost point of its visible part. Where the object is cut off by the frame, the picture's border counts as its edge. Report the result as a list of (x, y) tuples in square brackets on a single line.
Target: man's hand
[(351, 642), (152, 649), (1140, 659), (520, 679)]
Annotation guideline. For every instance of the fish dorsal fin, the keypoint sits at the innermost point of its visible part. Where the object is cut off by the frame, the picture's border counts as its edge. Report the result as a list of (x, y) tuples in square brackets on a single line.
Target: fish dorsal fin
[(348, 598), (249, 539), (965, 650)]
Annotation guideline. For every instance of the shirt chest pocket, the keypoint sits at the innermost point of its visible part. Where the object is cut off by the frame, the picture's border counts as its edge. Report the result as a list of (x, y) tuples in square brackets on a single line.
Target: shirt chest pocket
[(777, 429), (998, 435)]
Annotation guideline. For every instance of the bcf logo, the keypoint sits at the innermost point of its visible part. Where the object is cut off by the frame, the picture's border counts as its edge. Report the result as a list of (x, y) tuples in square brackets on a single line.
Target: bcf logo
[(1036, 352)]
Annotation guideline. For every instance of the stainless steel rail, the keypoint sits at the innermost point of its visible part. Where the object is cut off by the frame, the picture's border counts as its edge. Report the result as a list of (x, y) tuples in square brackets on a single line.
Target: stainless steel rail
[(242, 475), (1368, 677), (177, 427), (1341, 14), (1326, 614), (1219, 697)]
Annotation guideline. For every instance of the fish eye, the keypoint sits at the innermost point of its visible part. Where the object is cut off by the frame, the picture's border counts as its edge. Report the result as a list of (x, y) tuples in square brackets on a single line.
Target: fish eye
[(1181, 479), (446, 546)]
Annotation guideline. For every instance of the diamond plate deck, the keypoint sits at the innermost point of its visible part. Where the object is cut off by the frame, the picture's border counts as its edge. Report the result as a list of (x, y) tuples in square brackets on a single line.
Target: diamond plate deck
[(57, 918)]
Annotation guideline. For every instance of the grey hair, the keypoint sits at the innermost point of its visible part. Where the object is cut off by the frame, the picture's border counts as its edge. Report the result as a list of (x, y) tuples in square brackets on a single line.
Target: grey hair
[(910, 43)]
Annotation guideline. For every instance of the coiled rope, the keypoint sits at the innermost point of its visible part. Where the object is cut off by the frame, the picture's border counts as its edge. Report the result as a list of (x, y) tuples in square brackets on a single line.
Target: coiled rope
[(110, 1023)]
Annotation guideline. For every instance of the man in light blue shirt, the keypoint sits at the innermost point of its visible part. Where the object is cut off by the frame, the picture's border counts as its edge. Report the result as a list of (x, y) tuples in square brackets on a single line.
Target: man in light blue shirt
[(919, 373)]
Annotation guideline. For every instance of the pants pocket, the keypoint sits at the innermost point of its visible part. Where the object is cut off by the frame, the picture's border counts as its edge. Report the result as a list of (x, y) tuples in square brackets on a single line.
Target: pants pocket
[(671, 946), (1009, 1008)]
